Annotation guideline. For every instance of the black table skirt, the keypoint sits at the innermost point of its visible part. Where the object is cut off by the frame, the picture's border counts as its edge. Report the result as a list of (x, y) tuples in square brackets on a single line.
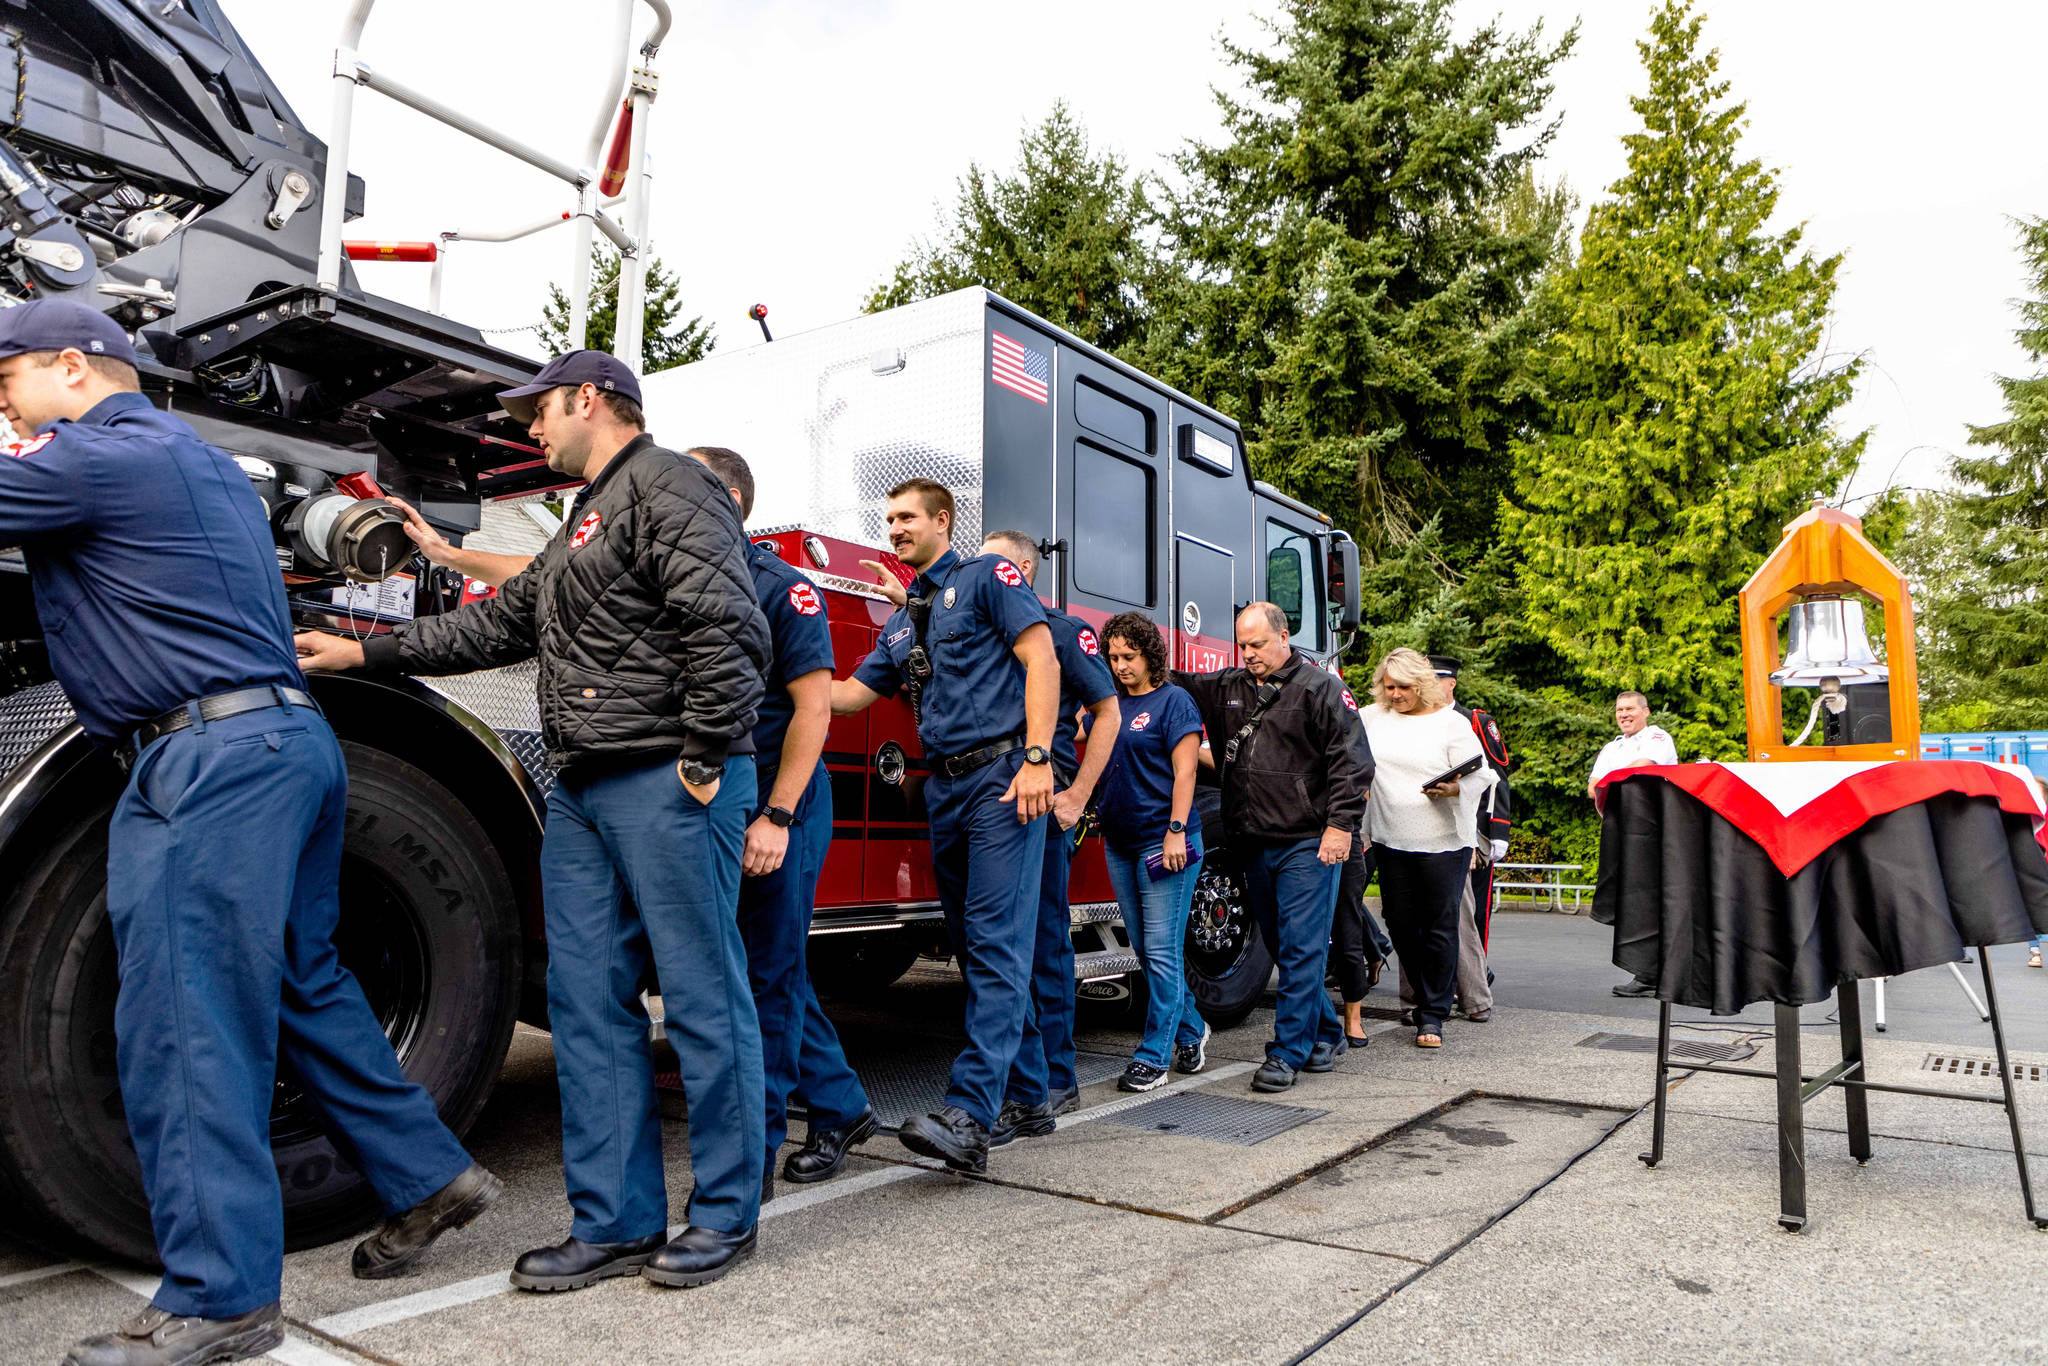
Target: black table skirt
[(1700, 909)]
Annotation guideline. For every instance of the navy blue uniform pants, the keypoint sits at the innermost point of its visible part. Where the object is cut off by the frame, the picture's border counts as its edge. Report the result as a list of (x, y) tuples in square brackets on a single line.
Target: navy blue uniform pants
[(1045, 1056), (800, 1052), (988, 865), (639, 875), (1293, 895), (222, 867)]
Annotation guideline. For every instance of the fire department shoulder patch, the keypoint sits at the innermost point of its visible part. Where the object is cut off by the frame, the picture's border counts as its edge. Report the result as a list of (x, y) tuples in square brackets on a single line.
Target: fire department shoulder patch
[(1349, 700), (18, 449), (1007, 573), (804, 598), (585, 530), (1089, 645)]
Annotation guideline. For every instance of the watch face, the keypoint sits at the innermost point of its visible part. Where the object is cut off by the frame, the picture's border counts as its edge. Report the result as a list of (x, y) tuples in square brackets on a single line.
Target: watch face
[(1036, 755)]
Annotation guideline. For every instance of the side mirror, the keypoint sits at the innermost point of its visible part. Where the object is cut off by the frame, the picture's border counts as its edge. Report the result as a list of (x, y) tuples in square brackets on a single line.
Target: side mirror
[(1343, 579)]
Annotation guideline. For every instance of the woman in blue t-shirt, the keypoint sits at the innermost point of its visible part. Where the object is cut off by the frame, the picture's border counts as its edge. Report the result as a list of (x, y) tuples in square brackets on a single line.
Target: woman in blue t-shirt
[(1153, 841)]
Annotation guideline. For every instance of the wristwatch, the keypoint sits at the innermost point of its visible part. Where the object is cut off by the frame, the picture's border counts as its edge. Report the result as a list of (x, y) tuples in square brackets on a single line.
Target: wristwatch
[(697, 773), (780, 816), (1036, 754), (1176, 827)]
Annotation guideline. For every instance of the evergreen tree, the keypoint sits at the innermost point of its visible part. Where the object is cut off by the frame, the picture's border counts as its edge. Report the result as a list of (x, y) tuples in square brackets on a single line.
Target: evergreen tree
[(1983, 549), (1061, 235), (668, 339), (1689, 405), (1345, 282)]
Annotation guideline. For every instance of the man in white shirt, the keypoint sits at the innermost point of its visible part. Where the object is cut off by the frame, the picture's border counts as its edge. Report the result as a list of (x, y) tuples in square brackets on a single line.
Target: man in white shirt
[(1639, 743)]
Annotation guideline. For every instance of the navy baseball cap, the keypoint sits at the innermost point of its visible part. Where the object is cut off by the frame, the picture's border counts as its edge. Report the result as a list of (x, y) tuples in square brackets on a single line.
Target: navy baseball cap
[(606, 371), (60, 324)]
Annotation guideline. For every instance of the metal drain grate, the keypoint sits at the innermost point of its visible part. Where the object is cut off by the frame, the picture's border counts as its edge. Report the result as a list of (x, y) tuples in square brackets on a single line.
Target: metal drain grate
[(1959, 1065), (1699, 1050), (1220, 1119)]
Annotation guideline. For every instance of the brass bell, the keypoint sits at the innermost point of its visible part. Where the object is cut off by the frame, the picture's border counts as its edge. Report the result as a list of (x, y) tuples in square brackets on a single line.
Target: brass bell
[(1828, 641)]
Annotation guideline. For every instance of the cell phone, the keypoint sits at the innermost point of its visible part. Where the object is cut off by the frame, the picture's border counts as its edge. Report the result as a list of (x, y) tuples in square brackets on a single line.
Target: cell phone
[(1471, 765), (1155, 863)]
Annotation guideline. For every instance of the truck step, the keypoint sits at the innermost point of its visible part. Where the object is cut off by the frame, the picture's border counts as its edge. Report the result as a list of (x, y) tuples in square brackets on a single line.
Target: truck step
[(1089, 967), (1097, 913)]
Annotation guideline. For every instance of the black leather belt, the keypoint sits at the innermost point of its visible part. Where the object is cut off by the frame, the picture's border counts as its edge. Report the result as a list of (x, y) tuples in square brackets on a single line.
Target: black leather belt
[(219, 707), (960, 765)]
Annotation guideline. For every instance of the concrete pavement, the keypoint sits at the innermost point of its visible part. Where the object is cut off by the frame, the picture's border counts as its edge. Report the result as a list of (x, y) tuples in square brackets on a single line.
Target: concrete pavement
[(1478, 1202)]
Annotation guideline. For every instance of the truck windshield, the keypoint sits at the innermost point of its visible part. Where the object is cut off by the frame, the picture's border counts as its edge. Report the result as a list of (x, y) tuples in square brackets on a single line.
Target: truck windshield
[(1294, 582)]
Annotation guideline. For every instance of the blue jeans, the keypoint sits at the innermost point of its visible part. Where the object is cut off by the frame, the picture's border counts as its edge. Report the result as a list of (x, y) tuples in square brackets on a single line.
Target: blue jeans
[(1156, 916), (1045, 1056), (800, 1052), (638, 874), (222, 871), (987, 865), (1293, 896)]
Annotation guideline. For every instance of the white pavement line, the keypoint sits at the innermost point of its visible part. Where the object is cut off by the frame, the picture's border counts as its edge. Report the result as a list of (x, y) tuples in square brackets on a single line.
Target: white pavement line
[(40, 1273), (296, 1351), (412, 1306), (845, 1185)]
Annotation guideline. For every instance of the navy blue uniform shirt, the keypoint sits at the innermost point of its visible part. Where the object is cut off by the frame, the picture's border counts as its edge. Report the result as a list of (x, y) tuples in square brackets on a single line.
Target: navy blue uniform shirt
[(1084, 681), (1136, 796), (979, 608), (154, 570), (803, 644)]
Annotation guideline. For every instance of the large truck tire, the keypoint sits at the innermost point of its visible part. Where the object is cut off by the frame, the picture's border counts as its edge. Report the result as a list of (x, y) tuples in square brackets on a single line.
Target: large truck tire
[(1228, 964), (428, 926), (852, 965)]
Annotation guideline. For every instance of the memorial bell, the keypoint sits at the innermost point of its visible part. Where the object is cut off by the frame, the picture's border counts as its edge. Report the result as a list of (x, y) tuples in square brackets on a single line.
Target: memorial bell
[(1863, 707)]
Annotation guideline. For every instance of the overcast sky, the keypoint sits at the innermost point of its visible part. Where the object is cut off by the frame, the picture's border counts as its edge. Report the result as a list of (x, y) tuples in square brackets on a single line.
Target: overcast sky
[(799, 144)]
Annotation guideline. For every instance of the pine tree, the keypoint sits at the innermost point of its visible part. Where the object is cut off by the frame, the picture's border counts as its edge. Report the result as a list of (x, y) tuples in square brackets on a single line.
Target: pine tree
[(1060, 235), (668, 338), (1981, 551), (1344, 281), (1689, 404)]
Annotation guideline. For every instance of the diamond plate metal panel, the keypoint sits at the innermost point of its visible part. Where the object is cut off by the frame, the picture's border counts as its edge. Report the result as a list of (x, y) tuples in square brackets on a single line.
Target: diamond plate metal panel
[(27, 719), (504, 699), (1219, 1119), (830, 420)]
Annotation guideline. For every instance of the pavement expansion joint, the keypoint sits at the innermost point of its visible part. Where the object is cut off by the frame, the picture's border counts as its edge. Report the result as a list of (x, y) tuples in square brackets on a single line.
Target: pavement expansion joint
[(1365, 1145)]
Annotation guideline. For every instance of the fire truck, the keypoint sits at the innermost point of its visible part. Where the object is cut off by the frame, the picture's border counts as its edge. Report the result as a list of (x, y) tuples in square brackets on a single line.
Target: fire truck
[(152, 169)]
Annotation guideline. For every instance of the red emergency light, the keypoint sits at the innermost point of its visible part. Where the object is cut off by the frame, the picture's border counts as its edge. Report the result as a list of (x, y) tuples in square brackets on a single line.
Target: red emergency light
[(618, 155), (392, 251)]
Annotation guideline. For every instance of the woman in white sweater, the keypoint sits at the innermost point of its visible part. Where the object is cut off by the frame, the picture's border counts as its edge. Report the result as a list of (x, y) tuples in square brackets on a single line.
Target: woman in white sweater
[(1422, 836)]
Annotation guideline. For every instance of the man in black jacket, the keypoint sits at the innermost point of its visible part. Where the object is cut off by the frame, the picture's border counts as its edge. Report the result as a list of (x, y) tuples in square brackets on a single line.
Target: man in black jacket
[(1296, 769), (652, 649)]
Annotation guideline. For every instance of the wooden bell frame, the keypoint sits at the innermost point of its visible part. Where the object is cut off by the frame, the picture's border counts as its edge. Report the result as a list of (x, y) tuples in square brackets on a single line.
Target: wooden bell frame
[(1824, 552)]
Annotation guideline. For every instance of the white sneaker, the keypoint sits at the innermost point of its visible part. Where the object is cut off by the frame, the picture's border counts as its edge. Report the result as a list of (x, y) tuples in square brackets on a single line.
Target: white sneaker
[(1192, 1057)]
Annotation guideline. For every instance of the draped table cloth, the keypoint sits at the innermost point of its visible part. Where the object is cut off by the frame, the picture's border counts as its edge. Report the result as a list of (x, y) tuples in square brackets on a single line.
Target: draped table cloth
[(1728, 884)]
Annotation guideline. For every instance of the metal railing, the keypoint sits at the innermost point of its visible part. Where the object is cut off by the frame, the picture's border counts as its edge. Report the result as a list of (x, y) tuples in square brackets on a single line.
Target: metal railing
[(1549, 885), (589, 214)]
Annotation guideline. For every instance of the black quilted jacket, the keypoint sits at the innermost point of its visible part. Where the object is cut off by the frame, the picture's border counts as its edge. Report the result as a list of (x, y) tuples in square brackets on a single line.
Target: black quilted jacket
[(642, 613)]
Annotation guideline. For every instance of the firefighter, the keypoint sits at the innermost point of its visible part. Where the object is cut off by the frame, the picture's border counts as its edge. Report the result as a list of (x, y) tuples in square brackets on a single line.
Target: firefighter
[(1295, 768), (1042, 1082), (974, 652), (157, 584), (651, 648), (785, 853)]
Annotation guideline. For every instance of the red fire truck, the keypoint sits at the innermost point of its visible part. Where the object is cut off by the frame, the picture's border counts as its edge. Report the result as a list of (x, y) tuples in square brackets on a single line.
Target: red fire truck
[(177, 190)]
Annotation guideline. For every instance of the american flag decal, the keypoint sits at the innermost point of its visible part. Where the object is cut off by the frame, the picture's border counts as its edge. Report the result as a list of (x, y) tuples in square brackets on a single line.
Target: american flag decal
[(1018, 368)]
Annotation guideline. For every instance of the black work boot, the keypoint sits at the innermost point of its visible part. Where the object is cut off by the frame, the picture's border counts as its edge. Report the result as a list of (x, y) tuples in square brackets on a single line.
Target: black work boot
[(1067, 1101), (1019, 1120), (1636, 986), (1323, 1057), (824, 1150), (1275, 1074), (573, 1263), (404, 1237), (698, 1256), (952, 1135), (156, 1337)]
